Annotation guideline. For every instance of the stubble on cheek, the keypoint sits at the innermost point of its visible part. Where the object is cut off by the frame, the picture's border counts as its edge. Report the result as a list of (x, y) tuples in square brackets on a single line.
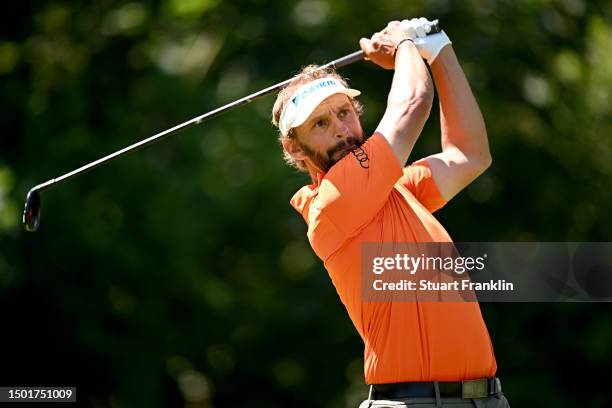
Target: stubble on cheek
[(319, 159)]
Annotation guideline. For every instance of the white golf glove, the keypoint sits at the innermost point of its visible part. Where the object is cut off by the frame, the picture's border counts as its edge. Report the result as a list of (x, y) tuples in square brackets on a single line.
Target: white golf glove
[(429, 46)]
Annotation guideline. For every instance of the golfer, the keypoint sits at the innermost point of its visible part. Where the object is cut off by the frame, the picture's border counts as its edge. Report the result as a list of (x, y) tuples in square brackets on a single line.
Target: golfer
[(429, 354)]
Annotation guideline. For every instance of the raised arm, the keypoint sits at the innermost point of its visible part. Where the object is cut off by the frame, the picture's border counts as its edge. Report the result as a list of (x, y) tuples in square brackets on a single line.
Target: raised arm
[(411, 95), (465, 148)]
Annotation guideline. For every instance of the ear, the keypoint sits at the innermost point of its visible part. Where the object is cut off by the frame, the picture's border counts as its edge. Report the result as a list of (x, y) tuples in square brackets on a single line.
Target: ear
[(293, 148)]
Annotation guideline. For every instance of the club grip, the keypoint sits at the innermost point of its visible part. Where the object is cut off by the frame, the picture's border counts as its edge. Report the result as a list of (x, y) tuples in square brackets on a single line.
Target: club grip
[(359, 55), (435, 27)]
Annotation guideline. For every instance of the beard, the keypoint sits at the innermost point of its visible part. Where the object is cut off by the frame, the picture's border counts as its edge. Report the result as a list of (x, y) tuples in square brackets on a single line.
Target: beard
[(334, 154)]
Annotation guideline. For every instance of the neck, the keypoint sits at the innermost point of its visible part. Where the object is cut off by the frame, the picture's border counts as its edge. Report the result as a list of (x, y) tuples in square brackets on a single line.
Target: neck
[(313, 171)]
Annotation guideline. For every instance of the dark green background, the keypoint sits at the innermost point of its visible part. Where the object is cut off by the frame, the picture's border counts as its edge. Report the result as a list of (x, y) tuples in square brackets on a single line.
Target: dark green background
[(180, 275)]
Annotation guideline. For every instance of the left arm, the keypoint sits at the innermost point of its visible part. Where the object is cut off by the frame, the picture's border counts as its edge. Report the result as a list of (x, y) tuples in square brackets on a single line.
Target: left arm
[(465, 148)]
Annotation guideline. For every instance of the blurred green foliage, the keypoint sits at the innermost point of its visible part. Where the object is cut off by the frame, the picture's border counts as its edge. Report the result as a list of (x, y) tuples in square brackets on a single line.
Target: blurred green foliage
[(180, 275)]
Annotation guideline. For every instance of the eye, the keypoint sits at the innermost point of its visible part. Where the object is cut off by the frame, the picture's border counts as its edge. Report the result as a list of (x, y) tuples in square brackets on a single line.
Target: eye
[(343, 113), (320, 123)]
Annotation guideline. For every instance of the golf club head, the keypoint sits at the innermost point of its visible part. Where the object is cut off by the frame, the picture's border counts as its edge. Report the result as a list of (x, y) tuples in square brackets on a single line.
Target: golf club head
[(31, 211)]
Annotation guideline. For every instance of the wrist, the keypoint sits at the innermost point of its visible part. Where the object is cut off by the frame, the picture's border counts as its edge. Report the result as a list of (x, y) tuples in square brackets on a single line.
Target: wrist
[(401, 42), (444, 57), (429, 47)]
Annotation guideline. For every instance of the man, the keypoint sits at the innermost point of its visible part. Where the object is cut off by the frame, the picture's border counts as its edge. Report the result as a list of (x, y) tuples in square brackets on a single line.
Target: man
[(415, 352)]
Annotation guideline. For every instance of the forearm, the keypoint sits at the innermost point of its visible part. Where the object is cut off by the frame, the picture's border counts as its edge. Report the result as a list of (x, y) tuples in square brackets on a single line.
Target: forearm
[(411, 84), (409, 101), (461, 121)]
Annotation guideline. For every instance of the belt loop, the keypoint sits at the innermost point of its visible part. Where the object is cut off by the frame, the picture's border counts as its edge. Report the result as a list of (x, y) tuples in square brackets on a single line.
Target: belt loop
[(498, 388), (371, 393), (437, 391), (367, 403)]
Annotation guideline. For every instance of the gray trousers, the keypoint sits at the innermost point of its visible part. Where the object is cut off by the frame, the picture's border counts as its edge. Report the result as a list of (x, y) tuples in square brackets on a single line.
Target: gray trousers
[(496, 401)]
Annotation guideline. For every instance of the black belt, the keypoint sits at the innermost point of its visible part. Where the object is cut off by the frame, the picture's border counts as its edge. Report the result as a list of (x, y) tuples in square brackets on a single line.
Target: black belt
[(482, 388)]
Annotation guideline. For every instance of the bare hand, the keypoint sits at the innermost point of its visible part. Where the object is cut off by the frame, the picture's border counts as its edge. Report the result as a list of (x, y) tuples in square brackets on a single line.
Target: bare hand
[(381, 47)]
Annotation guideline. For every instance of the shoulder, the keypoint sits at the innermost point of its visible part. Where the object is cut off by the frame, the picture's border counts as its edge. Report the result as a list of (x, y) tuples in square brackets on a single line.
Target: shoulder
[(302, 198)]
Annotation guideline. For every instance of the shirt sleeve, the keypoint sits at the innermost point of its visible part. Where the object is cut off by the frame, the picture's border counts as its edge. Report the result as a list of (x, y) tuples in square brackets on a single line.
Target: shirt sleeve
[(356, 188), (419, 180)]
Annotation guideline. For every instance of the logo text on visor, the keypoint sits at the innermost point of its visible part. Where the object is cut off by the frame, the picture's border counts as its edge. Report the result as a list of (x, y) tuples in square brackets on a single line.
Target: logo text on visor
[(313, 88)]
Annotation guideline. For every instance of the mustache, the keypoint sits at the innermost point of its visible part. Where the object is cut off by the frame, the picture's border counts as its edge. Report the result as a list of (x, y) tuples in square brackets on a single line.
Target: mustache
[(349, 141)]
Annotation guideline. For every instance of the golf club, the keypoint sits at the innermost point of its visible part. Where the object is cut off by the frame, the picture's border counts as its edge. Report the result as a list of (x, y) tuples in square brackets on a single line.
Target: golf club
[(31, 211)]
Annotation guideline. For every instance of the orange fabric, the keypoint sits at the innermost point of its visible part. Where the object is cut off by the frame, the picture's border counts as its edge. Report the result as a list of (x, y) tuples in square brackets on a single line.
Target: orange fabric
[(367, 197)]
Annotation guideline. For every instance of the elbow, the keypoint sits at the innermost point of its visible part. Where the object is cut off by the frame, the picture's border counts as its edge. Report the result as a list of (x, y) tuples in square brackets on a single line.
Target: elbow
[(479, 154), (416, 104), (422, 103), (479, 160), (419, 99), (483, 160), (486, 157), (423, 96), (477, 165), (488, 160)]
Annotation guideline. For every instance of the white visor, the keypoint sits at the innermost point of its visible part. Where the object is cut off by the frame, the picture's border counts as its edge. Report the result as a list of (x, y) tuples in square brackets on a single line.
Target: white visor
[(306, 99)]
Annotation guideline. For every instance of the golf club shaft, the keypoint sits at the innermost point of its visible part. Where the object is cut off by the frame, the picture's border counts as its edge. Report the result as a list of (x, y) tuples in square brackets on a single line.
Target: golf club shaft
[(31, 211)]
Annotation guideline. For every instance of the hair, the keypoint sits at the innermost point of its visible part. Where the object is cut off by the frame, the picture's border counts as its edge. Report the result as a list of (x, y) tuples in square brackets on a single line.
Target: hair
[(307, 74)]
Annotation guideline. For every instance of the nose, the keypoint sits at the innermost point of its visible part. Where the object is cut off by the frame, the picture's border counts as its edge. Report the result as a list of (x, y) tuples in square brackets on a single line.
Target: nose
[(341, 130)]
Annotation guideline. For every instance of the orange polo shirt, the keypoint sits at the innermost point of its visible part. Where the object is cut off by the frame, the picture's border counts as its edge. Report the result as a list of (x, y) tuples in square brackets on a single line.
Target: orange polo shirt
[(368, 197)]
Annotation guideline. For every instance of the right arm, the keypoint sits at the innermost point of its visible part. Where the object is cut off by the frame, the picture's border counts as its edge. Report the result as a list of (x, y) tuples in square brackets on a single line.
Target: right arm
[(411, 95), (409, 103)]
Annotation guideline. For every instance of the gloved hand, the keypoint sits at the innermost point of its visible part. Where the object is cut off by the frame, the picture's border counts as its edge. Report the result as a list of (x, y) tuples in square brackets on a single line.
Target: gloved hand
[(429, 46)]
